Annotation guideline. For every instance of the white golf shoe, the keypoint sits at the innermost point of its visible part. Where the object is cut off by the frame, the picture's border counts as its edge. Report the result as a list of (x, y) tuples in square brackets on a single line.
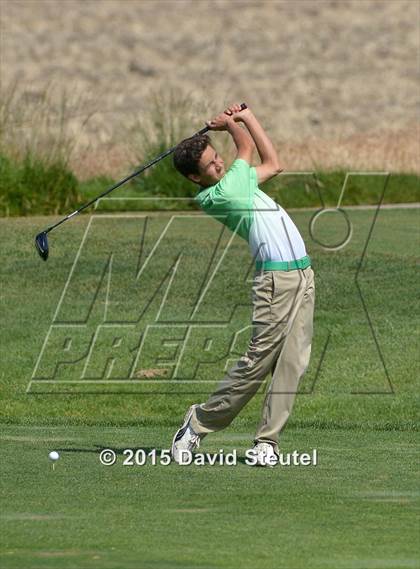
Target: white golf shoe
[(185, 439), (265, 455)]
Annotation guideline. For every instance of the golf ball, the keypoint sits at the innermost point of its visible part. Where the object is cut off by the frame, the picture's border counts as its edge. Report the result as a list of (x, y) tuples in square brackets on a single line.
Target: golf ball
[(54, 455)]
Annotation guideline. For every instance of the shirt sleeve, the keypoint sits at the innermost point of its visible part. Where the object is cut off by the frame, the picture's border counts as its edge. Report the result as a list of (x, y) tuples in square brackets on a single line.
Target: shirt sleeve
[(254, 176), (237, 186)]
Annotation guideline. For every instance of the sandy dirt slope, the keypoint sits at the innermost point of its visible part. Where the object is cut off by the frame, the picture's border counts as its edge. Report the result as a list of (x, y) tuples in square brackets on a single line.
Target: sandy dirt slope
[(334, 81)]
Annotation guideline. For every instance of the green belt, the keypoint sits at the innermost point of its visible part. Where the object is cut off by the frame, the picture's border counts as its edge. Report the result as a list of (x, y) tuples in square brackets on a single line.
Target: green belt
[(284, 265)]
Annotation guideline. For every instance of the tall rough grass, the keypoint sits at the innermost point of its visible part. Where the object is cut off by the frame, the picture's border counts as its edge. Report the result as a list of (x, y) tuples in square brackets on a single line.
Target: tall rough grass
[(36, 145), (40, 144)]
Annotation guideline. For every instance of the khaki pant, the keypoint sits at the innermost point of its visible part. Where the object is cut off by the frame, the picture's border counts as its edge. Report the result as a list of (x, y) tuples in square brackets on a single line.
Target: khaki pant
[(283, 307)]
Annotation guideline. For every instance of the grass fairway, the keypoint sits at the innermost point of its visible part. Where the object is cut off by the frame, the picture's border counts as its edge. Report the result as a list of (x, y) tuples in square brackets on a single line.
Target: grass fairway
[(357, 405), (355, 510), (364, 361)]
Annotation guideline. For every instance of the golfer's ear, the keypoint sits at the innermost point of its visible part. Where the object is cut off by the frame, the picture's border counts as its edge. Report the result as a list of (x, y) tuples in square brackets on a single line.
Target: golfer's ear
[(194, 178)]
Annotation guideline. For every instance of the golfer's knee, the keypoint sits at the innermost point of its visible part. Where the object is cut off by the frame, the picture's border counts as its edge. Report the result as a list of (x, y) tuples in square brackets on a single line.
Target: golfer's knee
[(218, 417)]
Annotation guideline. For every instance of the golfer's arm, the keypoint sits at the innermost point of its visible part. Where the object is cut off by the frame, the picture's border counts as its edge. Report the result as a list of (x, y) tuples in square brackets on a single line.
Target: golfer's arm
[(242, 140), (270, 164)]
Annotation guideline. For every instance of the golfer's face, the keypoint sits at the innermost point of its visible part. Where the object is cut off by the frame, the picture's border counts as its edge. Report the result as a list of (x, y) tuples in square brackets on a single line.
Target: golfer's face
[(212, 167)]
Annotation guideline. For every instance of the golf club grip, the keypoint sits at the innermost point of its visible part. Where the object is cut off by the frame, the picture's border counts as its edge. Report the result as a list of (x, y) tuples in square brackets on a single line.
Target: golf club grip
[(206, 128)]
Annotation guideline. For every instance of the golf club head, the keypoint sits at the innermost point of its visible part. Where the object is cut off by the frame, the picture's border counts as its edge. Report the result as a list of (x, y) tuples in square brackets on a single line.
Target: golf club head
[(41, 244)]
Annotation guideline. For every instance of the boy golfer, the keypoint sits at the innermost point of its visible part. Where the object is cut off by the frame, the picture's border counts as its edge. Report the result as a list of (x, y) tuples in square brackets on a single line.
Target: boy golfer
[(283, 291)]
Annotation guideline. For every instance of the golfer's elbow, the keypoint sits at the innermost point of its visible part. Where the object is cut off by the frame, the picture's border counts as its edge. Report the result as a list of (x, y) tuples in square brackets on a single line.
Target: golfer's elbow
[(273, 163), (277, 167)]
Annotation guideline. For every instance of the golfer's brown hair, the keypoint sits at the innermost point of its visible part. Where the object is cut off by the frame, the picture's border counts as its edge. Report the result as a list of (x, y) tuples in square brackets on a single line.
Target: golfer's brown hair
[(188, 153)]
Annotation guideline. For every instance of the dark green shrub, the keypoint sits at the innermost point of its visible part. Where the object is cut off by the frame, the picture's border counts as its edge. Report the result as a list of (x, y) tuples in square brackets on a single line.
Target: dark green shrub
[(33, 186)]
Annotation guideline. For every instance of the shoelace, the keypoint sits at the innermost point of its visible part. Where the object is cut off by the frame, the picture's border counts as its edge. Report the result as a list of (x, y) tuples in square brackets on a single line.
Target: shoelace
[(195, 441)]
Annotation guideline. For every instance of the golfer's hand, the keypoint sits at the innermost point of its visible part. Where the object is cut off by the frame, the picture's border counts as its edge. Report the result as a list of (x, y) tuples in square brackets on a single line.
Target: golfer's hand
[(236, 113), (220, 122)]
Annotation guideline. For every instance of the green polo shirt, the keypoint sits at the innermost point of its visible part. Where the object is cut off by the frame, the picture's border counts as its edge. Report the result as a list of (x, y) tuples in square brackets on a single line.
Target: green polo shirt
[(231, 200), (237, 202)]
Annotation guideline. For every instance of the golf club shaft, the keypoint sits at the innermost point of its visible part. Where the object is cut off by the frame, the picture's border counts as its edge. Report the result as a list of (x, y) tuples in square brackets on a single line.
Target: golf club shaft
[(122, 182), (130, 177)]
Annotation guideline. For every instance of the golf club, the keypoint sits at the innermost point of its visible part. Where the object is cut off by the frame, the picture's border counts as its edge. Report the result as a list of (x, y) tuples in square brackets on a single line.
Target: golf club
[(41, 240)]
